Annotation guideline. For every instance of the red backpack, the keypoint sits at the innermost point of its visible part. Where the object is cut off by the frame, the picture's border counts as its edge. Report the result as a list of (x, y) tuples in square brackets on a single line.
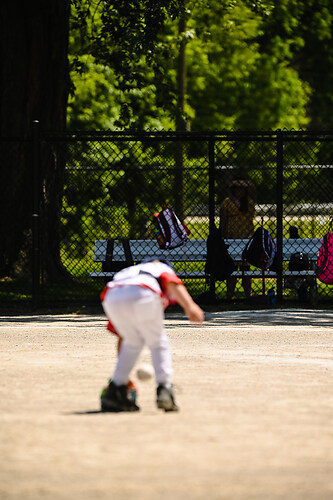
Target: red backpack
[(325, 260)]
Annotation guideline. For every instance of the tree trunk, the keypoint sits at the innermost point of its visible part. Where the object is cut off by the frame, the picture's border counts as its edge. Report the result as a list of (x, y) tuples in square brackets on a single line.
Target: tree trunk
[(34, 82), (180, 119)]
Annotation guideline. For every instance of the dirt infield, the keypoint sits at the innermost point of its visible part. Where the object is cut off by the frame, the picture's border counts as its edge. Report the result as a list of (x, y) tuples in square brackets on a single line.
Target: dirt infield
[(256, 419)]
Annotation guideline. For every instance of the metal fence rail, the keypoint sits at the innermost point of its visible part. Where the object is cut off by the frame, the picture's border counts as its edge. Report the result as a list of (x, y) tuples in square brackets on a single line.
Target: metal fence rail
[(91, 186)]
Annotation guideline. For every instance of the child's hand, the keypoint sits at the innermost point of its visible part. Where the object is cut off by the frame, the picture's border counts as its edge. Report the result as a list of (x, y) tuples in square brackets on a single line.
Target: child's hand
[(191, 309)]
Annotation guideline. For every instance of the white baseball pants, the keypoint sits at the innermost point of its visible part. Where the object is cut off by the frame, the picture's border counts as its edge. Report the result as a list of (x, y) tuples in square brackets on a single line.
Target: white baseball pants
[(137, 314)]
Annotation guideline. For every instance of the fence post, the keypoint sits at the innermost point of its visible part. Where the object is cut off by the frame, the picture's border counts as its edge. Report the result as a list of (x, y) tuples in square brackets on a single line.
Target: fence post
[(279, 213), (211, 200), (36, 214)]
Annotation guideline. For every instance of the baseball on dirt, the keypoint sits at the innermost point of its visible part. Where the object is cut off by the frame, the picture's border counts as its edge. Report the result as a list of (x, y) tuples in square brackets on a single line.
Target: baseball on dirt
[(145, 372)]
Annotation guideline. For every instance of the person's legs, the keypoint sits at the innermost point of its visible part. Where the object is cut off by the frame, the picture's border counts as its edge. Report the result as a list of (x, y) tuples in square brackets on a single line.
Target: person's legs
[(127, 358), (150, 317), (247, 286), (131, 388), (231, 285), (162, 361), (247, 281), (152, 324), (153, 332), (120, 307)]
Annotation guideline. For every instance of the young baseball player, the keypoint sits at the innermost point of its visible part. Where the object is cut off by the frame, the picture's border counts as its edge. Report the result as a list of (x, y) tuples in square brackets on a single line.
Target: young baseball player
[(134, 303)]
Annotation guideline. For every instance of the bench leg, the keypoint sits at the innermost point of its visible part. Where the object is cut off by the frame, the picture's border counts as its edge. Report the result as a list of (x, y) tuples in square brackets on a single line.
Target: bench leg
[(313, 293)]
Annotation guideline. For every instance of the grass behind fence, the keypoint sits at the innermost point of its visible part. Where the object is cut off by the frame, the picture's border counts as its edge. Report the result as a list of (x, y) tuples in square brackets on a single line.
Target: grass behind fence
[(83, 288)]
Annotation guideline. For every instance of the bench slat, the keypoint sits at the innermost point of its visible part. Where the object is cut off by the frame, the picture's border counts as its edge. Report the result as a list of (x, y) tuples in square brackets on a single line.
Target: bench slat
[(196, 251), (142, 248)]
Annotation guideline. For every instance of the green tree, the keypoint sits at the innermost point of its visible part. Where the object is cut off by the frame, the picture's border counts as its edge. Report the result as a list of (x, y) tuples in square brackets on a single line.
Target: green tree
[(212, 68), (233, 82), (126, 38), (94, 104), (296, 38), (35, 85)]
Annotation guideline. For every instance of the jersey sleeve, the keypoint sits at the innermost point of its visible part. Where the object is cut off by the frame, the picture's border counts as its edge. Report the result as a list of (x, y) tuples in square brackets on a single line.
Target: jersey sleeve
[(166, 278)]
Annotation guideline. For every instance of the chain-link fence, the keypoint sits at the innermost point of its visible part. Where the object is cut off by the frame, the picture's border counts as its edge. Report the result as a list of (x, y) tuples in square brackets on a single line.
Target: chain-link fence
[(292, 173), (105, 186)]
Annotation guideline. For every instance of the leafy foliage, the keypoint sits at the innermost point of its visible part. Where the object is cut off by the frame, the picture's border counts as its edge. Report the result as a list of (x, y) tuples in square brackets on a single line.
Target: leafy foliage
[(247, 65), (125, 36)]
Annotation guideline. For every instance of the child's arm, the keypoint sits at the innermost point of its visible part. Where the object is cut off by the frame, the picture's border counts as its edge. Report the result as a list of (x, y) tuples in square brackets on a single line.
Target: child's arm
[(184, 299)]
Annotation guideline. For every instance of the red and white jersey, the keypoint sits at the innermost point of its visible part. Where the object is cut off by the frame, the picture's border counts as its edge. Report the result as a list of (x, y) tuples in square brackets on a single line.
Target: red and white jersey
[(153, 275)]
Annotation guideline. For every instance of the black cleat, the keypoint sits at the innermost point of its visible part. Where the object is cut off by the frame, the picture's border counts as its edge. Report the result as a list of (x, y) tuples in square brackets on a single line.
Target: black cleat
[(165, 399), (115, 398)]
